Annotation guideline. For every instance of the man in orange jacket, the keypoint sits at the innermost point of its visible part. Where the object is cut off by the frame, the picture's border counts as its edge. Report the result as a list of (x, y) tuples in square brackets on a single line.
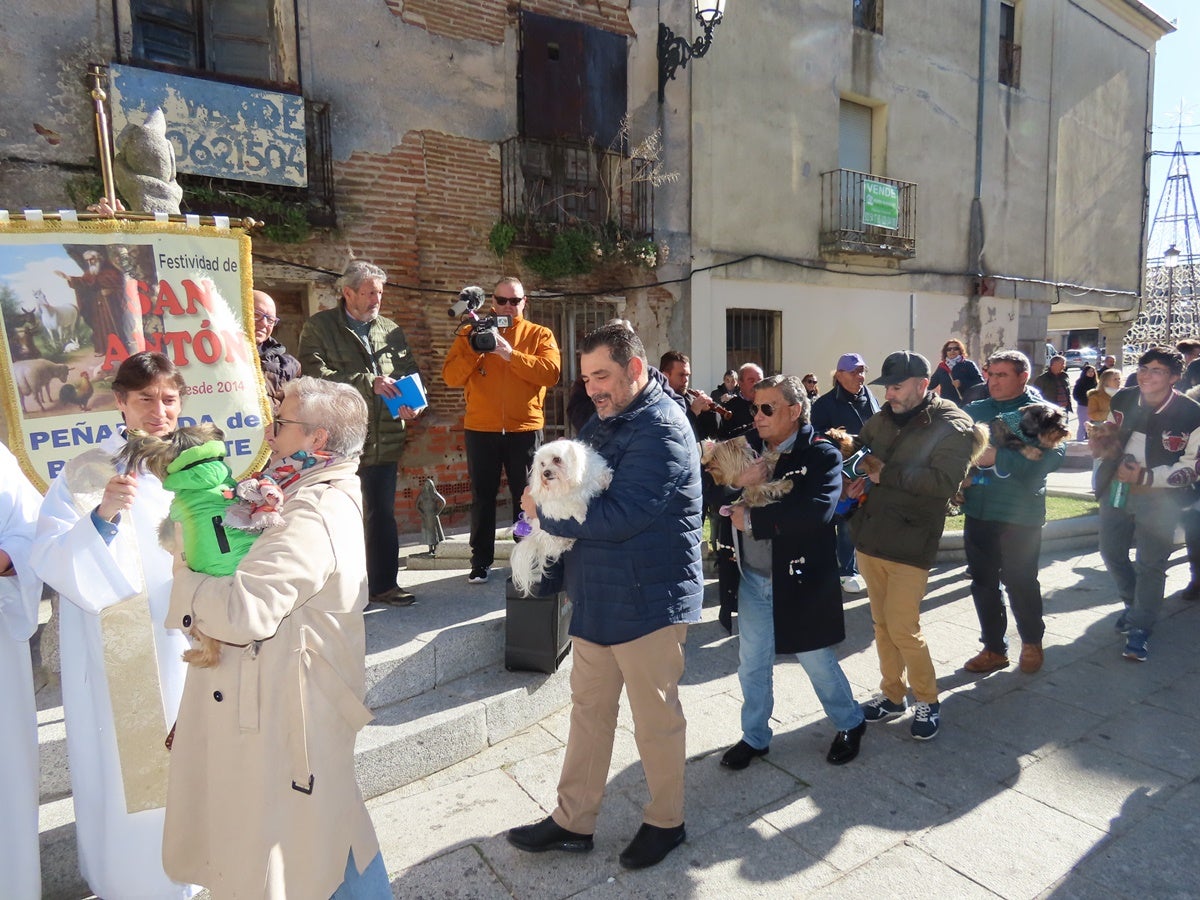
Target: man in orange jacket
[(505, 391)]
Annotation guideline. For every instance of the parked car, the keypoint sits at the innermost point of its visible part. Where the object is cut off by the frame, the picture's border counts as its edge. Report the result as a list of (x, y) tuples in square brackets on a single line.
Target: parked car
[(1084, 356)]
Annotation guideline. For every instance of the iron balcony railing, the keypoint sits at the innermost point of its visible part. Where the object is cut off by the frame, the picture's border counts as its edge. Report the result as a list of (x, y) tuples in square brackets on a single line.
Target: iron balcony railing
[(843, 229), (547, 185), (1010, 63)]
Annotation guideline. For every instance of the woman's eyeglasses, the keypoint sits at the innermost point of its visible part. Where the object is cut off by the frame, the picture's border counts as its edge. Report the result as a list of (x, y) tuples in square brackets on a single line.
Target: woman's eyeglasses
[(766, 409), (279, 422)]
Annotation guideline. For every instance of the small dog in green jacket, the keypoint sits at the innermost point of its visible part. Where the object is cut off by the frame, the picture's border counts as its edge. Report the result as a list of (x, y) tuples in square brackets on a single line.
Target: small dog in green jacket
[(190, 462)]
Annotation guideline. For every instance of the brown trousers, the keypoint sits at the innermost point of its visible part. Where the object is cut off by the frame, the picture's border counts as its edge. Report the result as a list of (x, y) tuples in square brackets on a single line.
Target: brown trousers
[(649, 668), (896, 591)]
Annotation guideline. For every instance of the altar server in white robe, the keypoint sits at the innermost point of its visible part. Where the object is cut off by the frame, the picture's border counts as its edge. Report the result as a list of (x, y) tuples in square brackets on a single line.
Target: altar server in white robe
[(122, 675), (20, 592)]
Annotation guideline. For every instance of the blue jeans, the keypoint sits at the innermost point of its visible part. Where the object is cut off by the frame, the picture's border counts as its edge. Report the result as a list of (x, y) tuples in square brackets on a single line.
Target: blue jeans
[(1147, 524), (847, 562), (372, 884), (756, 661)]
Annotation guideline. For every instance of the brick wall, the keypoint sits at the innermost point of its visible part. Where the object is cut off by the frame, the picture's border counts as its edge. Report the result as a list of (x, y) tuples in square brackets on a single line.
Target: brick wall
[(488, 20)]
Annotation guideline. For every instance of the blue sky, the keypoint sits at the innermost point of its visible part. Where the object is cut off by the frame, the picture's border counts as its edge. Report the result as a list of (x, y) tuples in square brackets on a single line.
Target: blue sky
[(1176, 80)]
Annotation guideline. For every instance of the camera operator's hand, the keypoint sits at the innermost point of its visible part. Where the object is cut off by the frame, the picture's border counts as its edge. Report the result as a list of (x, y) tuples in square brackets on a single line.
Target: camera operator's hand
[(503, 347)]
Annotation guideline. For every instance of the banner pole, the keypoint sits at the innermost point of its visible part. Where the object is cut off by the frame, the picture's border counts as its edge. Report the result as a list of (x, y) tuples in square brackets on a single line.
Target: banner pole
[(96, 73)]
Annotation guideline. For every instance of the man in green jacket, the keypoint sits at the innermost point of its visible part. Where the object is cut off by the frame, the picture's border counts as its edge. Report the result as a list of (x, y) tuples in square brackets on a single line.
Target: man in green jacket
[(1005, 509), (353, 344), (925, 444)]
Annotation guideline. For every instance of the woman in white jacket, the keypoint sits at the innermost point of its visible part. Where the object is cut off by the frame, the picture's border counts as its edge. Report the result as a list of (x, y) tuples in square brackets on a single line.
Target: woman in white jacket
[(122, 673)]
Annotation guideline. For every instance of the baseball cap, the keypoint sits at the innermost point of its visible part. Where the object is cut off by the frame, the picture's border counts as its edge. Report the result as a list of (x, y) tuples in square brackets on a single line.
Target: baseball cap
[(902, 365), (848, 362)]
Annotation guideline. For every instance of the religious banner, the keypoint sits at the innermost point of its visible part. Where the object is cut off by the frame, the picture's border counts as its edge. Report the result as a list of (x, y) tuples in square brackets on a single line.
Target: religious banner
[(77, 299)]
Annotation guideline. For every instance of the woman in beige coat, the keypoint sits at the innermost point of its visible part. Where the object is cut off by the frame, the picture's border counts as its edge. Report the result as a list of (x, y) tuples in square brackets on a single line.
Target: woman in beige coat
[(262, 800)]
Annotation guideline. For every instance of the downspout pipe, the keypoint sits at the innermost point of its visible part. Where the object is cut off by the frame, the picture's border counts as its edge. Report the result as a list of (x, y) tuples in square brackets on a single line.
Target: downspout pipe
[(975, 228)]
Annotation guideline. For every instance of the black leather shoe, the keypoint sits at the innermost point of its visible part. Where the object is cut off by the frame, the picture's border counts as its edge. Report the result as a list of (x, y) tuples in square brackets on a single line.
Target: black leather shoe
[(651, 845), (548, 835), (845, 745), (739, 755)]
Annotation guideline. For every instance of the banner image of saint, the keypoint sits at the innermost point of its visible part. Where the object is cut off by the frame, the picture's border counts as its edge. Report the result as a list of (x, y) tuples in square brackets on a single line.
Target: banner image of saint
[(78, 299)]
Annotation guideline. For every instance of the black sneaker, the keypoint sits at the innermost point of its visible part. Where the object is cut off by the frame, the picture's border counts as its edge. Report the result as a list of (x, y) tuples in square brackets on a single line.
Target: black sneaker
[(926, 720), (1122, 625), (879, 709), (479, 575)]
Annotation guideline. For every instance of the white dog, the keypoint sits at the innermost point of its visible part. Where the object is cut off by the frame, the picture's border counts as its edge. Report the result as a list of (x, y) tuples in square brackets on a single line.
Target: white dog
[(564, 477)]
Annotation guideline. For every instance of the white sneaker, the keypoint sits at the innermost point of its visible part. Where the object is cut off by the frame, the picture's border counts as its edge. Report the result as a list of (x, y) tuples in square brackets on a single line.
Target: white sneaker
[(853, 584)]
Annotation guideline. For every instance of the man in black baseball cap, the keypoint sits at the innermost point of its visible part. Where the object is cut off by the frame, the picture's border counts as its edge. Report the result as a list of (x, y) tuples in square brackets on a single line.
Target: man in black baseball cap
[(925, 444), (901, 366)]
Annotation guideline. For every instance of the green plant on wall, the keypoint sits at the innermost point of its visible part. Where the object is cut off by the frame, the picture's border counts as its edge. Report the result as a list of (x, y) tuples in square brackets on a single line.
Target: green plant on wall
[(286, 222), (84, 189), (578, 248), (501, 238), (574, 251)]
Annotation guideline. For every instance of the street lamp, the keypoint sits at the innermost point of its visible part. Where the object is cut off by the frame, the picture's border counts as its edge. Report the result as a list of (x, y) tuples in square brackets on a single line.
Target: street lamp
[(675, 51), (1170, 260)]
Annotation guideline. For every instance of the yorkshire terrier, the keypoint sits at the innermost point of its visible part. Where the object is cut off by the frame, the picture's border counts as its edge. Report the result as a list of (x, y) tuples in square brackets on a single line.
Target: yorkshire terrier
[(859, 461), (1104, 440), (564, 478), (211, 543), (1030, 430), (726, 460), (983, 437)]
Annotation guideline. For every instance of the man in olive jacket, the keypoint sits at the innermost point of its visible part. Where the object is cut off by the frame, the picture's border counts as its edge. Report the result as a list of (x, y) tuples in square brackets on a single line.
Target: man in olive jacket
[(925, 444), (1006, 508), (354, 345)]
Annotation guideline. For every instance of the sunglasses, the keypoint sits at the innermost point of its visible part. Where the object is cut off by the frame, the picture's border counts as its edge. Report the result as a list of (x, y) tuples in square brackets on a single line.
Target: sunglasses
[(264, 318), (766, 409), (507, 301)]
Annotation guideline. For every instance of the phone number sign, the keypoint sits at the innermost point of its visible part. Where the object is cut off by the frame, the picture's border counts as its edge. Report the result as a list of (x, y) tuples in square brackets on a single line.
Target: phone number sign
[(217, 129)]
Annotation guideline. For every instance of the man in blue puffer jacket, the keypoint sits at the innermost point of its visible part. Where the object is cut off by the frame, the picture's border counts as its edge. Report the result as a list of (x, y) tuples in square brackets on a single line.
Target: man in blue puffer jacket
[(634, 577)]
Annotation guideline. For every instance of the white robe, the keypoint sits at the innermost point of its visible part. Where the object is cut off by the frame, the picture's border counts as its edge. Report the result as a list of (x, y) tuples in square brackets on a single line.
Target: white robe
[(120, 853), (19, 597)]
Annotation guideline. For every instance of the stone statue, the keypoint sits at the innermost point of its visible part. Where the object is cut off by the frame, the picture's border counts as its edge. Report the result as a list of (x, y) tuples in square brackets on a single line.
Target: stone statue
[(429, 504), (144, 166)]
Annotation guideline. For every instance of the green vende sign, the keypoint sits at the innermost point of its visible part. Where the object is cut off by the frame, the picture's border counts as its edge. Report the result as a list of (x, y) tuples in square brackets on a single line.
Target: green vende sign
[(881, 204)]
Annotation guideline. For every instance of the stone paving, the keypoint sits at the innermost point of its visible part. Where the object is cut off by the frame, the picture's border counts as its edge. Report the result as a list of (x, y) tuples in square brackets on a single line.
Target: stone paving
[(1079, 781)]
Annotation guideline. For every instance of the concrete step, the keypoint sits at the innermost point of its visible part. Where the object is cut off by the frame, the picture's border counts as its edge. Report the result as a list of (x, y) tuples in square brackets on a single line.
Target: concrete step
[(455, 553), (414, 738)]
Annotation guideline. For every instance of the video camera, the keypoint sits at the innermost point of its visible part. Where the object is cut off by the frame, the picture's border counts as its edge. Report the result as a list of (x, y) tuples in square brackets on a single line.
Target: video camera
[(482, 329)]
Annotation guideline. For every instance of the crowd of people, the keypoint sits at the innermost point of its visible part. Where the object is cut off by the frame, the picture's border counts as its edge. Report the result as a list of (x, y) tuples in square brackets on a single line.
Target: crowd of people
[(238, 775)]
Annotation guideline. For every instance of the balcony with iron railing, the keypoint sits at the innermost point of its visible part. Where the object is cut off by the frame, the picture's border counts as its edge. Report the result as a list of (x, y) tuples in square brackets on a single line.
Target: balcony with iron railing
[(551, 185), (855, 220)]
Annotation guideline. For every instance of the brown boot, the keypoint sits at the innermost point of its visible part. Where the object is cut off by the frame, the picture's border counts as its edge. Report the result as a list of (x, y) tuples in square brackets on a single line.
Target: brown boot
[(1031, 658), (985, 662)]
